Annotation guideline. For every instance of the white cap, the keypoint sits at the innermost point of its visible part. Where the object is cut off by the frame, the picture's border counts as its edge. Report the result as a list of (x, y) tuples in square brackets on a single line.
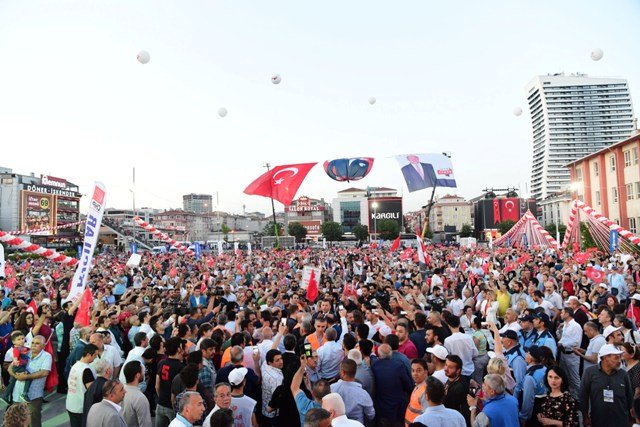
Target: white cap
[(603, 285), (587, 305), (237, 375), (438, 351), (635, 297), (384, 330), (45, 301), (608, 349), (609, 330)]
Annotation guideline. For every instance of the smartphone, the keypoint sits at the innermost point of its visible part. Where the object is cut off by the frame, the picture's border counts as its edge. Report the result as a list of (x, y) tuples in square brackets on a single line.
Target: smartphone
[(255, 350), (308, 350), (283, 321), (374, 302), (404, 313), (473, 391), (341, 307)]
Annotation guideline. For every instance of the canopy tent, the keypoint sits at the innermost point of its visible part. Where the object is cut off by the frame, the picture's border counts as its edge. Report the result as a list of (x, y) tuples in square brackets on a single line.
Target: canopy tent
[(527, 232), (600, 228)]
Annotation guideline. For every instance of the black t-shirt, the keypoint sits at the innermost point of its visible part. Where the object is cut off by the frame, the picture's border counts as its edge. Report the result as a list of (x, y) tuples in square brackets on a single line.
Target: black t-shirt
[(167, 370)]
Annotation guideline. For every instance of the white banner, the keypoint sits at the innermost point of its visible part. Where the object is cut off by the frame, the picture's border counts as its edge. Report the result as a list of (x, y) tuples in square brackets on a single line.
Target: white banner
[(2, 261), (91, 231), (249, 248), (306, 274), (134, 260), (220, 247)]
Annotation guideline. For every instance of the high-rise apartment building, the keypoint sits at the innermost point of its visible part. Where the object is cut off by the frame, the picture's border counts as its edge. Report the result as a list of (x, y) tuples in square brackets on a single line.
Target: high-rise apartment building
[(573, 116), (197, 203)]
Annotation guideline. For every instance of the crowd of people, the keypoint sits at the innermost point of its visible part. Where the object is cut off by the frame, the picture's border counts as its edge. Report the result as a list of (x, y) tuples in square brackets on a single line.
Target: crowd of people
[(476, 337)]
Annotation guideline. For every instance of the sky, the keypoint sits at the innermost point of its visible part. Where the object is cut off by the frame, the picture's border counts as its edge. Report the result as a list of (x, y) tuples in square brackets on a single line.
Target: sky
[(75, 103)]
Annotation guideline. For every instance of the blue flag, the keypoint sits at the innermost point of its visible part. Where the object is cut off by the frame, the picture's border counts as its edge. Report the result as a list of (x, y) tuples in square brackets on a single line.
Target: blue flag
[(198, 250), (613, 240), (134, 248)]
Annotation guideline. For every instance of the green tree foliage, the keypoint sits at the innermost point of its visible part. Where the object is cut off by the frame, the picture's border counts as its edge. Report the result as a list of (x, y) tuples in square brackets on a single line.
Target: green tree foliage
[(270, 231), (551, 228), (505, 226), (466, 231), (298, 231), (388, 229), (587, 239), (332, 231), (361, 232)]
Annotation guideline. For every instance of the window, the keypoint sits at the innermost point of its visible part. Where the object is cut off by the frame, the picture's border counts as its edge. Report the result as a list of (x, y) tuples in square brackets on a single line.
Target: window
[(635, 155), (627, 158), (637, 184), (632, 225), (612, 163), (596, 169), (598, 198), (579, 174), (630, 193), (614, 194)]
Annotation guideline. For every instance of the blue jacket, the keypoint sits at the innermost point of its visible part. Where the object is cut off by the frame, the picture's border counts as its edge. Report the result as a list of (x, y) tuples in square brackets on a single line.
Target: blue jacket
[(391, 399), (531, 386), (502, 411)]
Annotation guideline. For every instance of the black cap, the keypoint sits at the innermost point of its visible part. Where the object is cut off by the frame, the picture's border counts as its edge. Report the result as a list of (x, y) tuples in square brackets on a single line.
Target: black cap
[(526, 318), (544, 317), (536, 352), (511, 334)]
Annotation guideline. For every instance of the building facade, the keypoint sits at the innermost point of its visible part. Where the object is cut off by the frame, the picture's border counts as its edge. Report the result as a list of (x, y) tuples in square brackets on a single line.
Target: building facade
[(609, 181), (29, 202), (355, 206), (311, 213), (197, 203), (449, 213), (571, 117), (555, 209)]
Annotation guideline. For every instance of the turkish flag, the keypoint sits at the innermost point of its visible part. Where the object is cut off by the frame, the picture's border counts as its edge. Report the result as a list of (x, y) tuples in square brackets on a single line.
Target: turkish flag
[(32, 307), (83, 315), (581, 257), (523, 258), (406, 254), (280, 183), (396, 244), (312, 287), (596, 276), (11, 283), (509, 209), (496, 211)]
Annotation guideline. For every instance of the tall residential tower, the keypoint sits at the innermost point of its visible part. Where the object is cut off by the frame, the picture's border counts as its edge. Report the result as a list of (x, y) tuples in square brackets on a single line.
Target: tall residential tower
[(573, 116)]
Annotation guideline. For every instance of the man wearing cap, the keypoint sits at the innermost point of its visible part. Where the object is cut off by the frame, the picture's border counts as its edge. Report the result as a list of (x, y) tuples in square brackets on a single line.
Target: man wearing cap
[(241, 405), (601, 295), (571, 338), (438, 359), (613, 336), (618, 284), (514, 354), (596, 341), (606, 395), (543, 337), (527, 332)]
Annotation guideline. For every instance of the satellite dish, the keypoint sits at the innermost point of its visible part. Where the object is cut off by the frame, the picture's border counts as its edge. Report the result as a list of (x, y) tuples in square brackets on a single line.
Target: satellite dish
[(372, 100), (597, 54), (143, 57), (222, 111), (276, 79), (517, 111)]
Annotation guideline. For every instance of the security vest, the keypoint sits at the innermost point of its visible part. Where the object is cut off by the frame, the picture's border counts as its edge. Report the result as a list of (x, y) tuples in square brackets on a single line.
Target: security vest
[(417, 404)]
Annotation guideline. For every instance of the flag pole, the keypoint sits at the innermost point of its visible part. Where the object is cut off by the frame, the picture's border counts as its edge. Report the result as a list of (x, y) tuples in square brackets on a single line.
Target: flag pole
[(273, 208), (425, 227)]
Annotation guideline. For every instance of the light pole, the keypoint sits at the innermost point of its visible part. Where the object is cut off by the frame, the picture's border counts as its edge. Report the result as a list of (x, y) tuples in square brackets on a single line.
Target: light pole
[(374, 205)]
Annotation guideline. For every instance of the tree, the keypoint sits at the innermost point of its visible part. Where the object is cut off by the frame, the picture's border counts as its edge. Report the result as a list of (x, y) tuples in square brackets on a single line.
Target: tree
[(505, 226), (466, 231), (361, 232), (268, 229), (551, 229), (332, 231), (587, 239), (298, 231), (388, 229), (225, 229)]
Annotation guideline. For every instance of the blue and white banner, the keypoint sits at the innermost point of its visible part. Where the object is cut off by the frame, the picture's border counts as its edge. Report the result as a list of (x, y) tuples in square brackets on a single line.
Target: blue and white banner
[(198, 249), (91, 231), (429, 170), (134, 248), (613, 240), (2, 262)]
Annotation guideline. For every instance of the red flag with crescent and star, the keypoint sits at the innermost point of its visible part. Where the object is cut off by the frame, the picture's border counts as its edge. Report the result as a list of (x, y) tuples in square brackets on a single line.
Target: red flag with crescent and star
[(280, 183), (594, 274), (496, 211), (509, 209)]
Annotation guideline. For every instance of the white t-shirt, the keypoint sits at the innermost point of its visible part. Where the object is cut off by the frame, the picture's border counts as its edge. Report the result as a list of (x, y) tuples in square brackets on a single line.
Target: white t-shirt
[(242, 408)]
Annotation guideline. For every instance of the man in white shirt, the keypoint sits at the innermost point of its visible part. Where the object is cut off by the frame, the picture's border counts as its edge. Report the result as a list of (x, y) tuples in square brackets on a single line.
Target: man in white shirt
[(571, 338), (333, 403), (461, 345), (510, 321), (456, 304), (549, 309), (596, 341), (373, 322), (552, 296), (438, 359)]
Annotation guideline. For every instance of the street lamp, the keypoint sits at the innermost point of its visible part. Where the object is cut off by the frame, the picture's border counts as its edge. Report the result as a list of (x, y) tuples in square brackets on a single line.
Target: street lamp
[(374, 205)]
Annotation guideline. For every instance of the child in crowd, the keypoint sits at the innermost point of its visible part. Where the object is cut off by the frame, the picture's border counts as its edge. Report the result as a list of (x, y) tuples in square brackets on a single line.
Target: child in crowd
[(20, 359)]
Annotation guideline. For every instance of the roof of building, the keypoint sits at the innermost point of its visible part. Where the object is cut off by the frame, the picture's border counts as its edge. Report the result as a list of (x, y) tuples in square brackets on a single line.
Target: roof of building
[(634, 137)]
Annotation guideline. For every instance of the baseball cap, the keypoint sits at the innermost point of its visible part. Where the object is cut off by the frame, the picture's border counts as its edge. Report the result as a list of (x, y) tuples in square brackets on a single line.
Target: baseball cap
[(587, 305), (536, 352), (603, 285), (511, 334), (526, 318), (237, 375), (635, 297), (608, 349), (609, 330), (438, 351)]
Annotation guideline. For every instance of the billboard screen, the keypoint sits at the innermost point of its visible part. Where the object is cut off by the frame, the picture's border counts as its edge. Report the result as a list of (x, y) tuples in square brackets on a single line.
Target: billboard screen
[(390, 208), (37, 211), (313, 227)]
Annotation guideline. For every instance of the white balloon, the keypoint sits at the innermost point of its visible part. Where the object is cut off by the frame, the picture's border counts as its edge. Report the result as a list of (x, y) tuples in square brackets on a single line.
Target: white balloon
[(143, 57), (372, 100), (276, 79), (517, 111), (597, 54), (222, 111)]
